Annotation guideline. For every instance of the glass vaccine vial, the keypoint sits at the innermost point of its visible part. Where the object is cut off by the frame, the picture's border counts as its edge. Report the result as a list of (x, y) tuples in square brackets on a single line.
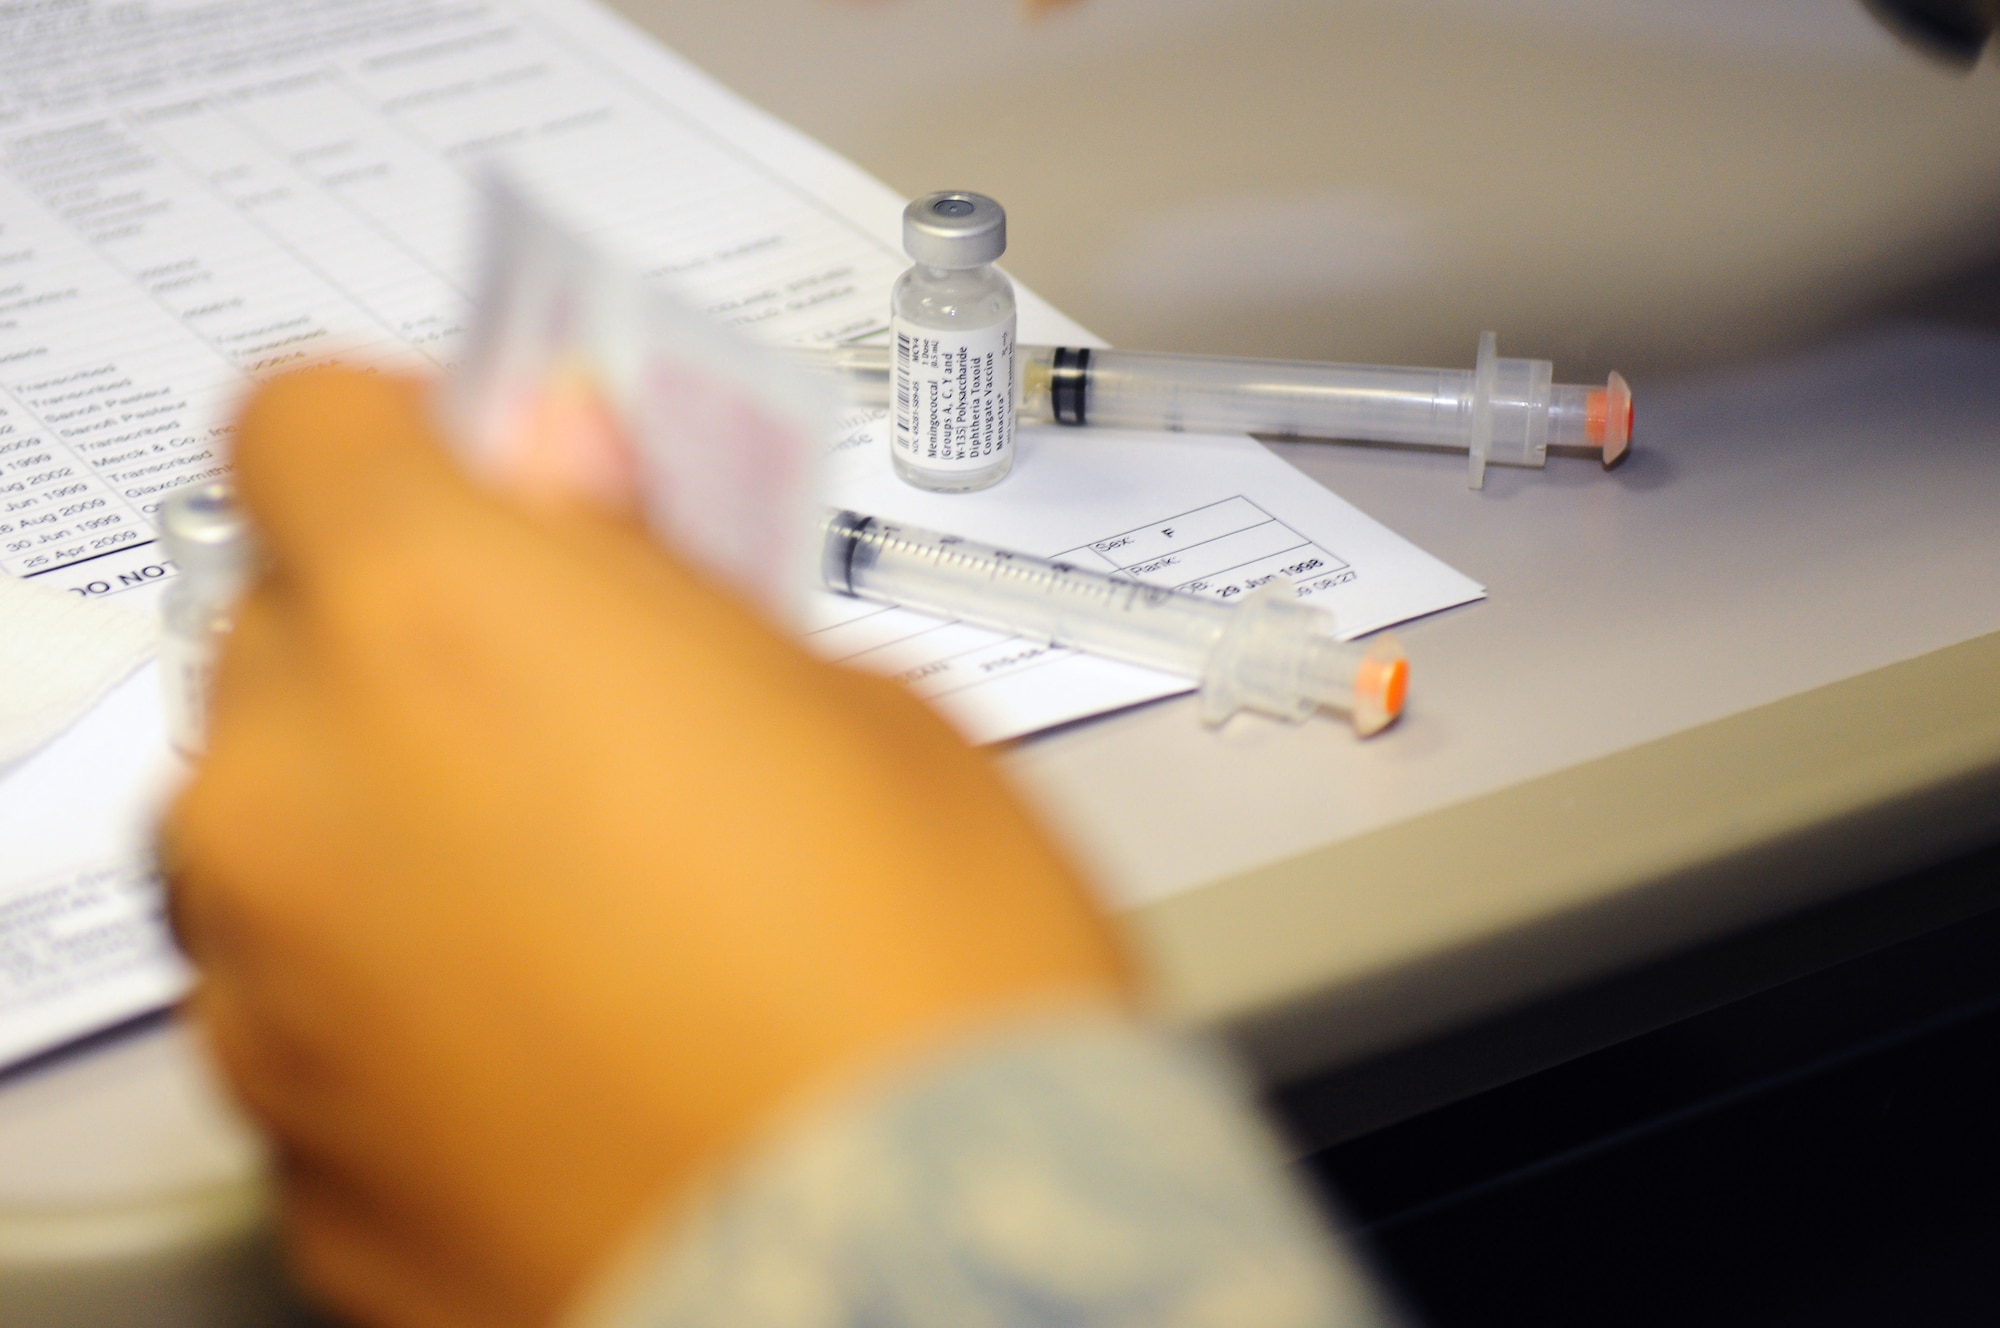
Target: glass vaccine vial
[(951, 328), (206, 536)]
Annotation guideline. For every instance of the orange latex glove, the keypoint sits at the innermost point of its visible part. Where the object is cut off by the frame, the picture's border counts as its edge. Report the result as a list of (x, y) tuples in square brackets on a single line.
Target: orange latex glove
[(528, 875)]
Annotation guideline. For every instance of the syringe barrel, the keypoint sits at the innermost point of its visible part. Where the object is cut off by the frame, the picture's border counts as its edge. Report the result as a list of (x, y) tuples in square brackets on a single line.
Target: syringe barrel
[(1265, 652), (1504, 411), (1204, 394), (1011, 592), (1287, 398)]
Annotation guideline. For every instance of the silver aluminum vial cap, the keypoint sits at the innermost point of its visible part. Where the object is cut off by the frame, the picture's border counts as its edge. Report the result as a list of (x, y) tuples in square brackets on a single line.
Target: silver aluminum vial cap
[(204, 530), (954, 228)]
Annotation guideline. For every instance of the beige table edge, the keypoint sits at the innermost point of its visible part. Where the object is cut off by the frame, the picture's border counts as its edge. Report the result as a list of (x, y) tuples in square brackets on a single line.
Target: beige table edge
[(1431, 923)]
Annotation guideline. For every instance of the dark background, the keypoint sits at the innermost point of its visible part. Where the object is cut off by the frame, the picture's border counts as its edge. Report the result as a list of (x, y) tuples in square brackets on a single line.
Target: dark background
[(1824, 1150)]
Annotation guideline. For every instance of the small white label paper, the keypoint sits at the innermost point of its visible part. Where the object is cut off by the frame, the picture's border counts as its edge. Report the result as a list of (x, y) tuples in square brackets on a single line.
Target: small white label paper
[(581, 374)]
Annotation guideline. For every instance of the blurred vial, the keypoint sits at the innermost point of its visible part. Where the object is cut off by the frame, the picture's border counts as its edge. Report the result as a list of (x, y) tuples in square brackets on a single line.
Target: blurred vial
[(951, 320), (209, 541)]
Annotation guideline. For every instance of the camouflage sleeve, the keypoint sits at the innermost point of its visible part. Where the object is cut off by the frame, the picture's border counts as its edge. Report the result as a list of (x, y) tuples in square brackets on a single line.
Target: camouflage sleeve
[(1084, 1174)]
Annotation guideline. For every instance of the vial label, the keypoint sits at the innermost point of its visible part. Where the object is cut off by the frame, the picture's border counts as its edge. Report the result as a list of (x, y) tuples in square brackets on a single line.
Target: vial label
[(187, 666), (954, 395)]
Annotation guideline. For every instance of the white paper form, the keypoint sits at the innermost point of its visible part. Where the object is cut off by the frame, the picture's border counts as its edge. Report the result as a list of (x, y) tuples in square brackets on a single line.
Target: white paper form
[(193, 196), (82, 941)]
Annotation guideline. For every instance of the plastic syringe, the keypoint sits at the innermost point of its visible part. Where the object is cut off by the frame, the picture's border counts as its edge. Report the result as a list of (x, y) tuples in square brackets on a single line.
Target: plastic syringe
[(1505, 412), (1265, 652)]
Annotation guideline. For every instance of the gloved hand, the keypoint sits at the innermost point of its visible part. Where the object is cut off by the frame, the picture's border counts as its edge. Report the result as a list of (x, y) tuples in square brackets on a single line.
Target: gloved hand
[(528, 876)]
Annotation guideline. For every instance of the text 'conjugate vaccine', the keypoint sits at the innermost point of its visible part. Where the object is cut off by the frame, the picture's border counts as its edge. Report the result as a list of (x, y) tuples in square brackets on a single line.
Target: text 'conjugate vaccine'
[(952, 338)]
